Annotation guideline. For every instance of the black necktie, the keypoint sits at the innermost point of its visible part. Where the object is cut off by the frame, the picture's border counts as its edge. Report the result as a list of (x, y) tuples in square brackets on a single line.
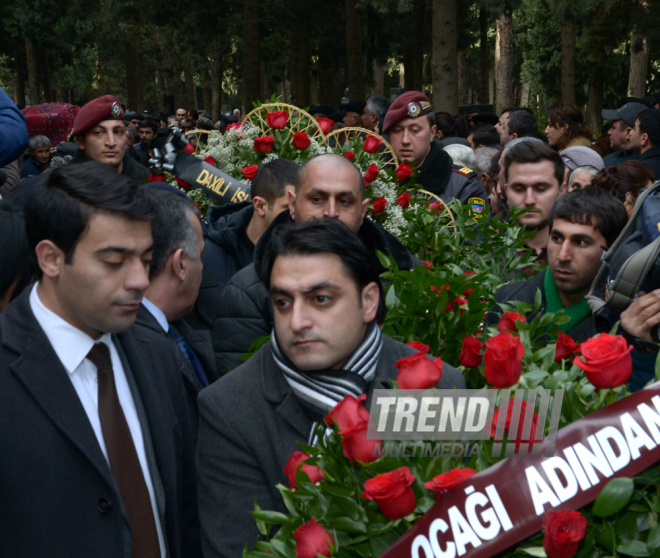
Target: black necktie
[(124, 460)]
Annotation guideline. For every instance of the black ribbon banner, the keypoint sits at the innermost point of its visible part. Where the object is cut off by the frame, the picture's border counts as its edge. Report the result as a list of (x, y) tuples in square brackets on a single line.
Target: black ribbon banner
[(214, 182), (505, 503)]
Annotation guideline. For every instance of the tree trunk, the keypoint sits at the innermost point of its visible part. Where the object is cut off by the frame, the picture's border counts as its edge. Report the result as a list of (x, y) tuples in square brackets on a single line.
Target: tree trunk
[(568, 60), (484, 55), (19, 84), (524, 94), (216, 102), (44, 68), (207, 91), (593, 117), (305, 69), (639, 62), (379, 78), (326, 80), (418, 46), (408, 68), (354, 51), (504, 60), (33, 72), (252, 54), (462, 78), (444, 55), (294, 66), (189, 86)]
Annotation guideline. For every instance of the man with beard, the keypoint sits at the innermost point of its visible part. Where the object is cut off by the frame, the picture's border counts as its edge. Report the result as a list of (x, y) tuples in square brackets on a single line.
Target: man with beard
[(533, 176), (583, 224)]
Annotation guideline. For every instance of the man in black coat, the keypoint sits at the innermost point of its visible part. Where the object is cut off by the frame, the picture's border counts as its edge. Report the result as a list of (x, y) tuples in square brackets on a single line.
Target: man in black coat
[(410, 122), (94, 430), (326, 344), (327, 186), (583, 223), (645, 139), (235, 228)]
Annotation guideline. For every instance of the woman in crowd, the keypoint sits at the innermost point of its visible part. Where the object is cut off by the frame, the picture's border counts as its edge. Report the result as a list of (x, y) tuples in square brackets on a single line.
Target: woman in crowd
[(625, 181), (16, 268), (566, 127), (449, 126)]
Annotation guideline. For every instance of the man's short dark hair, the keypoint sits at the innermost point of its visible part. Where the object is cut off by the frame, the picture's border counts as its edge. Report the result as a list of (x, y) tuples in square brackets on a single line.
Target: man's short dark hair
[(193, 115), (340, 161), (521, 122), (485, 135), (272, 178), (16, 269), (149, 123), (328, 236), (592, 206), (533, 152), (59, 209), (172, 229), (649, 124)]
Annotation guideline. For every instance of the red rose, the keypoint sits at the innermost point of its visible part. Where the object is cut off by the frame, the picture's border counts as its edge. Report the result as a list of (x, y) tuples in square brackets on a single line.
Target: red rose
[(419, 346), (250, 172), (297, 461), (378, 206), (264, 145), (468, 292), (372, 173), (156, 178), (562, 531), (508, 321), (404, 199), (313, 539), (428, 265), (348, 412), (443, 483), (565, 347), (606, 360), (210, 160), (436, 206), (450, 305), (301, 140), (392, 492), (234, 125), (371, 144), (349, 155), (403, 172), (189, 148), (521, 422), (418, 372), (355, 445), (470, 356), (325, 124), (277, 119), (503, 358), (183, 184), (435, 289)]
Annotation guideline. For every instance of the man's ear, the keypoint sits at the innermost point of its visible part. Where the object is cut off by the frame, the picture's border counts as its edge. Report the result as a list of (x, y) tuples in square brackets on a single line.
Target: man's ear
[(644, 139), (513, 136), (50, 258), (291, 199), (260, 206), (434, 130), (370, 299), (178, 264), (80, 140), (365, 206)]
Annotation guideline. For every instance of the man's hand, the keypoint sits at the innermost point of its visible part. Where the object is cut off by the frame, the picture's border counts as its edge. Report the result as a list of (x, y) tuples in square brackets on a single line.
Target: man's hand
[(642, 315)]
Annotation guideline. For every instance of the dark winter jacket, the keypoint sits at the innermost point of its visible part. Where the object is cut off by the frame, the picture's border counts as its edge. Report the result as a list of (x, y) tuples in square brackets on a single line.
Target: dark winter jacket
[(225, 249), (441, 177), (245, 311), (13, 131), (652, 158)]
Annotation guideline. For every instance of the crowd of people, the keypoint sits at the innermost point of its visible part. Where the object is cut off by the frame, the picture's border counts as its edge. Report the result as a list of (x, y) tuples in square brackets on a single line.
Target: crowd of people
[(130, 425)]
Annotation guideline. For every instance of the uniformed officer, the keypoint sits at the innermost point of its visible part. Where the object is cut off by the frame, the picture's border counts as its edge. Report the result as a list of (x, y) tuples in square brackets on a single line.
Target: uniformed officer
[(410, 122)]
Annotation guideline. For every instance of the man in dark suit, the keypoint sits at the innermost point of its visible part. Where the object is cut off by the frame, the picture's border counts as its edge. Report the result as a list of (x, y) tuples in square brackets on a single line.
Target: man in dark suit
[(175, 276), (326, 344), (97, 454)]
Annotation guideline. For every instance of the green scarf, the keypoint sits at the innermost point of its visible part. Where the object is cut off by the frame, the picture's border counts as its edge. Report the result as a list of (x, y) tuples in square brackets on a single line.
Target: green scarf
[(576, 313)]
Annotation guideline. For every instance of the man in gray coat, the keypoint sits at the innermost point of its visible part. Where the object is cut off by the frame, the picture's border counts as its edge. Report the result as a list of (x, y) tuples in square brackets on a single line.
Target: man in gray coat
[(326, 344)]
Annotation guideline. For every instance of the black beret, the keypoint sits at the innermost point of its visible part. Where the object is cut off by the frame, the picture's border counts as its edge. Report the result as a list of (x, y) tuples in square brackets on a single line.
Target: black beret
[(486, 118), (354, 106), (338, 116), (321, 109)]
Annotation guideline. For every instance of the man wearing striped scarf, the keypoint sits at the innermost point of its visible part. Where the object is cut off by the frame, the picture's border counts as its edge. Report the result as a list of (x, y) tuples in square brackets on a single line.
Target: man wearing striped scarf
[(326, 343)]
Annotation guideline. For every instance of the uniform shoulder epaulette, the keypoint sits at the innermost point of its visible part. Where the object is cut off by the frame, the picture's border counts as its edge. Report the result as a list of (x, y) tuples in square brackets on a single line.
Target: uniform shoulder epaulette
[(465, 171)]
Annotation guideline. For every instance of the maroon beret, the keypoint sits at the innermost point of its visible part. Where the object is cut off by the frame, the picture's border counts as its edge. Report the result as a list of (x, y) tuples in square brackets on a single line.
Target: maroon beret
[(107, 107), (411, 104)]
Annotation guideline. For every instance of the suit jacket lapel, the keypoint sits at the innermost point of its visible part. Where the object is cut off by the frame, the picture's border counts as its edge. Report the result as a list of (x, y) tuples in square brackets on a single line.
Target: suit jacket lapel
[(42, 374)]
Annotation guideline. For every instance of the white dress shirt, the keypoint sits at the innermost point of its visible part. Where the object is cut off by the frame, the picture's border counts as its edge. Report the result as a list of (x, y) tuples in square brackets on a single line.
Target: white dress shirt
[(157, 313), (72, 346)]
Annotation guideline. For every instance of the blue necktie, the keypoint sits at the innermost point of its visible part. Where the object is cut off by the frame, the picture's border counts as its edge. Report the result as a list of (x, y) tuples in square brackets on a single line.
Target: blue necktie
[(190, 355)]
